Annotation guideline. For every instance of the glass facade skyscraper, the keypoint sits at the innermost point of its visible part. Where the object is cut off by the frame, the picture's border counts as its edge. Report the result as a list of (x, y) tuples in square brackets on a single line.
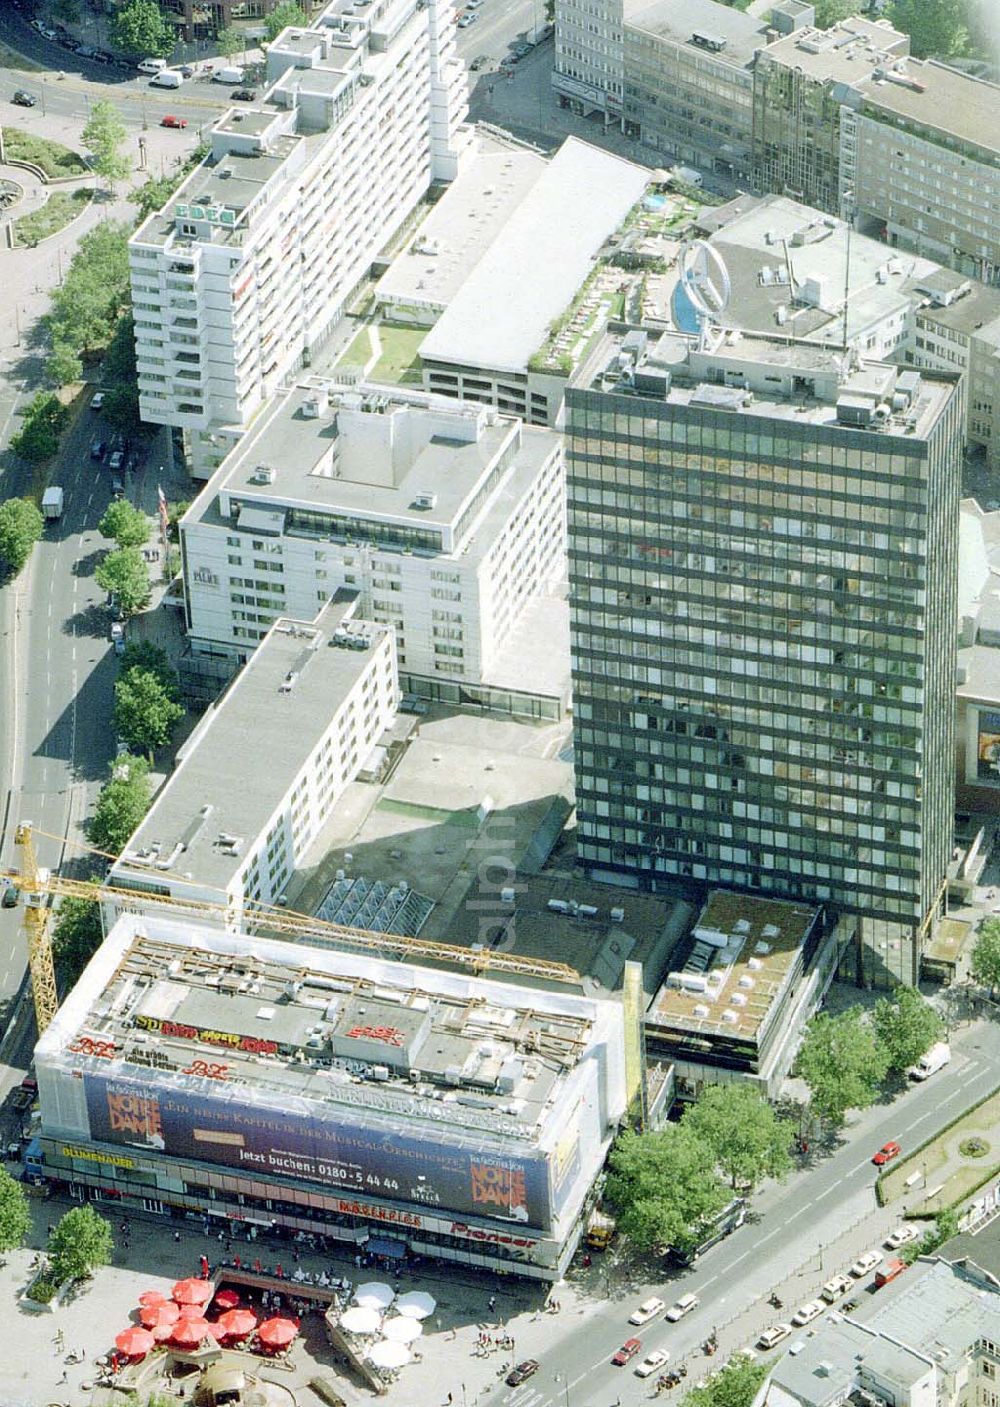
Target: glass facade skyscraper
[(763, 545)]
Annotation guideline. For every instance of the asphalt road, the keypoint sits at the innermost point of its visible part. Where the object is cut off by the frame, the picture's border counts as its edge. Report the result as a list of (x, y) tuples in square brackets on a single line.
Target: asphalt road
[(791, 1224)]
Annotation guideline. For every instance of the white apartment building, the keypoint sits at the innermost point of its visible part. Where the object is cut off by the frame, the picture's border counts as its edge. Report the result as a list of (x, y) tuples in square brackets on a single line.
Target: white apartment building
[(246, 270), (448, 519), (315, 697)]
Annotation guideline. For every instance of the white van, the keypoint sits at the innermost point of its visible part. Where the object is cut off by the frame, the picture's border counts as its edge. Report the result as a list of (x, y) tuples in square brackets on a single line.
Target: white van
[(152, 65), (931, 1061), (227, 75), (167, 78)]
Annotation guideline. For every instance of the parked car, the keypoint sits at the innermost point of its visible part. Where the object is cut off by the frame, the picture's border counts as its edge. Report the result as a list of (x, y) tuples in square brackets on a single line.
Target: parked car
[(626, 1353), (833, 1289), (864, 1263), (186, 70), (886, 1153), (683, 1306), (901, 1236), (170, 121), (649, 1309), (244, 95), (522, 1372), (807, 1312), (117, 459), (23, 99), (466, 20), (97, 401), (118, 486), (888, 1272), (480, 61), (11, 894), (651, 1362), (770, 1338), (522, 51), (97, 449)]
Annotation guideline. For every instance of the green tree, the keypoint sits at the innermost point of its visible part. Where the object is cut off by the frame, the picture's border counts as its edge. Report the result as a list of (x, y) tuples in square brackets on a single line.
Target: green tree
[(105, 135), (842, 1062), (76, 934), (143, 654), (831, 12), (80, 1242), (121, 376), (96, 290), (944, 1228), (144, 713), (21, 526), (67, 10), (906, 1026), (175, 513), (123, 802), (43, 422), (139, 30), (126, 574), (937, 28), (746, 1136), (662, 1187), (127, 526), (280, 18), (63, 365), (735, 1385), (15, 1219), (230, 42), (985, 954)]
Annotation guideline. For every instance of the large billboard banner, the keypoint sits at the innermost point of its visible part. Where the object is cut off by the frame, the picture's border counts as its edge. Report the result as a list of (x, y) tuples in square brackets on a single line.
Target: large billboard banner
[(328, 1150), (988, 749)]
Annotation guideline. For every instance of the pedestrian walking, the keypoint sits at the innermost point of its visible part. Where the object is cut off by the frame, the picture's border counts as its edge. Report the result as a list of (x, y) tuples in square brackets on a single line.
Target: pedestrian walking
[(177, 1238), (492, 1303)]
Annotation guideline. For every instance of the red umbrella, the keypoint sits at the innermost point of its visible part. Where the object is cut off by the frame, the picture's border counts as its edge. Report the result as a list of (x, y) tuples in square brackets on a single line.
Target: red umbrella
[(192, 1291), (149, 1297), (227, 1299), (189, 1332), (135, 1342), (191, 1311), (162, 1332), (277, 1333), (238, 1322), (215, 1329), (152, 1314)]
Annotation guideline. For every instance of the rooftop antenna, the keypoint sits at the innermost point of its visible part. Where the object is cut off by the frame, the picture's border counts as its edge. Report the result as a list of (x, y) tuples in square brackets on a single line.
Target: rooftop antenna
[(705, 280)]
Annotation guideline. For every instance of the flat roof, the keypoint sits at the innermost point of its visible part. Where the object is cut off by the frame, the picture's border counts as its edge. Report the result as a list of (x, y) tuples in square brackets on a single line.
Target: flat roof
[(941, 99), (740, 35), (730, 968), (845, 53), (528, 277), (935, 1308), (833, 1357), (460, 228), (215, 790), (302, 1025)]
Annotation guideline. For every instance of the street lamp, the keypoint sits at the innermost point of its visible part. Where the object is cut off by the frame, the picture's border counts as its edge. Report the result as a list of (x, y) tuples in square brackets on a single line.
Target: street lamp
[(564, 1379)]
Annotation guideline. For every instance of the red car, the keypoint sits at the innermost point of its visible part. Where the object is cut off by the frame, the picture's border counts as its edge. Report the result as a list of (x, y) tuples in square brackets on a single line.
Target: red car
[(169, 121), (886, 1153), (628, 1350)]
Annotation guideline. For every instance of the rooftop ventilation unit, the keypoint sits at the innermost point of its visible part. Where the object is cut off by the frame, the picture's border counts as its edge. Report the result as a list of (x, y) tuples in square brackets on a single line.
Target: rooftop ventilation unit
[(701, 1011), (771, 930), (263, 474), (425, 500)]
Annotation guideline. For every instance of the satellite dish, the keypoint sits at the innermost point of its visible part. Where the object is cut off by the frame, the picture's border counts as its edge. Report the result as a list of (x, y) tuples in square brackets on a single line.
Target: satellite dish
[(705, 279)]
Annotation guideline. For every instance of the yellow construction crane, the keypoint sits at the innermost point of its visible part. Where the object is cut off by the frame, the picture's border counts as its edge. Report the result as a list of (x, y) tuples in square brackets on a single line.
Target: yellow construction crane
[(38, 884)]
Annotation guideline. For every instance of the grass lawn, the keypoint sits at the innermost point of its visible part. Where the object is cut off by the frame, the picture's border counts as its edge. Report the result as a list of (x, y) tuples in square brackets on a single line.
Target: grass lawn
[(55, 214), (399, 360), (359, 352), (965, 1172), (9, 58), (53, 158)]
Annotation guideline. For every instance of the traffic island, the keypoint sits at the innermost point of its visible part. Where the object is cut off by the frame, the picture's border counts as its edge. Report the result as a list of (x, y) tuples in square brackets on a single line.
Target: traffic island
[(947, 1169)]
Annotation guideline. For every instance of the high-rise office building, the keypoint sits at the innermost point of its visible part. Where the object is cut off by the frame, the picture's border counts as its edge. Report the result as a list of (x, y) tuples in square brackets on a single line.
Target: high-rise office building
[(763, 577), (247, 269)]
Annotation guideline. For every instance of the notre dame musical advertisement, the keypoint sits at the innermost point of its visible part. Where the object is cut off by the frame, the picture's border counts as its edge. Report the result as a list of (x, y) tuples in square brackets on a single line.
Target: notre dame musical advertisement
[(325, 1147)]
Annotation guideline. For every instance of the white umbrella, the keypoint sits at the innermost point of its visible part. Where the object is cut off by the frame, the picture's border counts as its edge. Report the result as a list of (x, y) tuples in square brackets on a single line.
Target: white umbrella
[(374, 1295), (360, 1321), (401, 1329), (416, 1304), (385, 1354)]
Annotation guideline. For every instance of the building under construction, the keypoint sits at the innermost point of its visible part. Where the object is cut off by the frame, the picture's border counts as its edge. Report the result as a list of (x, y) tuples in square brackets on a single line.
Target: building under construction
[(391, 1107)]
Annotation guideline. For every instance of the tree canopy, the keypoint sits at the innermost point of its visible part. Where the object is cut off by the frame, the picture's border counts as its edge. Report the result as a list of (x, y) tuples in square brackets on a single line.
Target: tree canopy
[(985, 954), (15, 1219), (21, 526), (126, 525), (121, 375), (662, 1187), (63, 364), (144, 713), (123, 802), (95, 291), (77, 933), (105, 135), (831, 12), (80, 1242), (748, 1140), (937, 28), (944, 1228), (143, 654), (43, 422), (906, 1026), (230, 41), (139, 30), (842, 1062), (126, 574), (281, 17), (734, 1385)]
